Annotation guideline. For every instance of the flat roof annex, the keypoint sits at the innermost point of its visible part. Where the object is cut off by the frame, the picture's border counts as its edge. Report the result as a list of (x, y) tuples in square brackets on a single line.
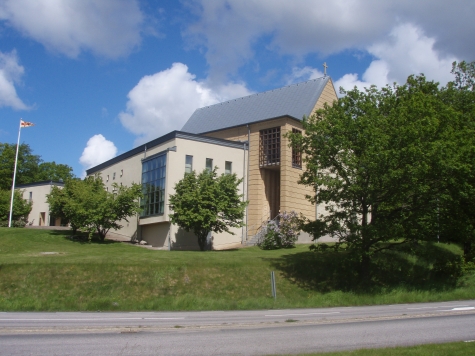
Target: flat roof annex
[(161, 140), (296, 101), (40, 183)]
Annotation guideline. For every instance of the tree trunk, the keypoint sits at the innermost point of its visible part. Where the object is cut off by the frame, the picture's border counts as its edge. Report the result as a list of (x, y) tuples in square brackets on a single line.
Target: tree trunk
[(365, 276), (102, 234), (202, 235), (467, 248)]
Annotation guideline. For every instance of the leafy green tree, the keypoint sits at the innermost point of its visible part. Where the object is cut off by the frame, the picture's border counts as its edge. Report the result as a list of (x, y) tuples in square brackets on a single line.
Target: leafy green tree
[(377, 159), (30, 167), (27, 167), (205, 202), (88, 206), (456, 210), (54, 171), (21, 207)]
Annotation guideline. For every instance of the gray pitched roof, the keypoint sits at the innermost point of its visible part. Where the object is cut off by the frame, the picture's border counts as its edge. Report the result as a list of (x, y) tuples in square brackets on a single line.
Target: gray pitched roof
[(294, 100)]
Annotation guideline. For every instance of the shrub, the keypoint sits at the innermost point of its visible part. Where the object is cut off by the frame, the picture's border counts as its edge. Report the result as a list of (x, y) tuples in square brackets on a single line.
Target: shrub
[(271, 240), (15, 223), (282, 232)]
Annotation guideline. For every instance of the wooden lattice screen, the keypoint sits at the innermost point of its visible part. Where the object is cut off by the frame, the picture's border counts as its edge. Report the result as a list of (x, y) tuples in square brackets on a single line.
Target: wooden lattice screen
[(269, 147), (296, 153)]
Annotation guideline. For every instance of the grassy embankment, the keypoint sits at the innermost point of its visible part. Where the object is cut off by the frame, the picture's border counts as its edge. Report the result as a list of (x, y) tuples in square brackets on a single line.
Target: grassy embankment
[(448, 349), (116, 276)]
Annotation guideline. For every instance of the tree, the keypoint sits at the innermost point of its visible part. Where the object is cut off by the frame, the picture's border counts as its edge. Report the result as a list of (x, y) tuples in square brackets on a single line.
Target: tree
[(87, 205), (378, 160), (21, 207), (282, 233), (27, 167), (457, 205), (30, 167), (205, 202), (54, 171)]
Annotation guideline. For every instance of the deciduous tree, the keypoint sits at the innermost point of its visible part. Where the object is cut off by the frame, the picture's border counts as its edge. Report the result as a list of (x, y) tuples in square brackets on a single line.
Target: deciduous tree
[(377, 160), (27, 167), (87, 205), (205, 202), (21, 207)]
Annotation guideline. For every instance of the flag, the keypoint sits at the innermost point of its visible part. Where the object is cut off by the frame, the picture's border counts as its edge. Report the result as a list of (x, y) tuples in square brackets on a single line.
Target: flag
[(26, 124)]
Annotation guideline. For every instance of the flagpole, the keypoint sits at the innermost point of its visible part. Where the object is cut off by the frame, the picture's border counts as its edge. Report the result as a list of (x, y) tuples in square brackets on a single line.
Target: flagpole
[(14, 177)]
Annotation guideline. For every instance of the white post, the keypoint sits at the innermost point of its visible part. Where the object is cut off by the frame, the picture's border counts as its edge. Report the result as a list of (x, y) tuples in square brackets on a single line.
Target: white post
[(272, 284), (14, 177)]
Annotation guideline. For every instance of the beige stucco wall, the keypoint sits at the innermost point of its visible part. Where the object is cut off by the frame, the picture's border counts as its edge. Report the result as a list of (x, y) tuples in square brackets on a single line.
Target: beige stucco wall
[(176, 170), (292, 195), (156, 234), (155, 229), (39, 214), (262, 181), (328, 96), (129, 171)]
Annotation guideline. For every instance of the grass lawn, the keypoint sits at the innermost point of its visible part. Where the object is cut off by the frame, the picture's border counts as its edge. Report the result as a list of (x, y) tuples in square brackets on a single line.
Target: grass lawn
[(89, 276), (448, 349)]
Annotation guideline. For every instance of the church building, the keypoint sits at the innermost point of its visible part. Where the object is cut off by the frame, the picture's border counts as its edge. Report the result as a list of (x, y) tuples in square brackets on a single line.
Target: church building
[(245, 136)]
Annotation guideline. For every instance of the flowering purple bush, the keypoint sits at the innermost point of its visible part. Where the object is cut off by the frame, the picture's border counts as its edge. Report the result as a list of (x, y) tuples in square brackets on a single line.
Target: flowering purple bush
[(282, 232)]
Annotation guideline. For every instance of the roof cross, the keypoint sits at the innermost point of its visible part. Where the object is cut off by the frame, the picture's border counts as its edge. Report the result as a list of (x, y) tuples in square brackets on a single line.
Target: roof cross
[(325, 68)]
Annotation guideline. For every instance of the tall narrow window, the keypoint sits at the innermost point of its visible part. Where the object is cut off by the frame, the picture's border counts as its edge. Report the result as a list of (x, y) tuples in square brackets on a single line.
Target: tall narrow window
[(228, 167), (153, 185), (209, 164), (188, 164), (296, 153), (113, 176), (269, 147)]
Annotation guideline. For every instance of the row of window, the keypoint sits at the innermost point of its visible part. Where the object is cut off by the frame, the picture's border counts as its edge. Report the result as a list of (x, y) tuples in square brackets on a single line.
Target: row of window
[(228, 166), (153, 182), (113, 175)]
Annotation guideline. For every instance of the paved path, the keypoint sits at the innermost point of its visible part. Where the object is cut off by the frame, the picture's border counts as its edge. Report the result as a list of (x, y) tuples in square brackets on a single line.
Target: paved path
[(235, 332)]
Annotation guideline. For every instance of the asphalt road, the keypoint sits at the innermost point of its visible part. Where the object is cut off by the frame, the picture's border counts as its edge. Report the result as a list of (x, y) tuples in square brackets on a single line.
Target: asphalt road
[(236, 332)]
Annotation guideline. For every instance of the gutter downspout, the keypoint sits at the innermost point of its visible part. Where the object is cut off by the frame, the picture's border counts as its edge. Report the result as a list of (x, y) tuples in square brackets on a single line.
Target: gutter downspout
[(247, 183), (243, 188), (139, 227)]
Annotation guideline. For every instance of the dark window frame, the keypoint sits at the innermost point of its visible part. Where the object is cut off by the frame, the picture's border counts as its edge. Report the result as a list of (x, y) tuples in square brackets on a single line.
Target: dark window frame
[(186, 163), (154, 172), (209, 167), (269, 147), (296, 153), (230, 168)]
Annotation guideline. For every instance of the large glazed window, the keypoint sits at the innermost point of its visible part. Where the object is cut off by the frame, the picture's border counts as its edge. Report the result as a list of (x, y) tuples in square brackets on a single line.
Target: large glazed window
[(269, 147), (153, 185)]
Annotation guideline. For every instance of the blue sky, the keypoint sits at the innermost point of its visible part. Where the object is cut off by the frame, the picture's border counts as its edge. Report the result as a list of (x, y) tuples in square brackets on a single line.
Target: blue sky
[(98, 77)]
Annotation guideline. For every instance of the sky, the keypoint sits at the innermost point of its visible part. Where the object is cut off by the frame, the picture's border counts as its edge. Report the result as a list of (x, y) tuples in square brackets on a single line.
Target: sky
[(99, 77)]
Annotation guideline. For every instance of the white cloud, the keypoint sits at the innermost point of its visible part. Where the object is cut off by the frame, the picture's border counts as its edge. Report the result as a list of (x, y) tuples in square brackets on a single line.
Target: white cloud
[(164, 101), (409, 51), (108, 28), (230, 31), (98, 150), (301, 74), (10, 74), (406, 51)]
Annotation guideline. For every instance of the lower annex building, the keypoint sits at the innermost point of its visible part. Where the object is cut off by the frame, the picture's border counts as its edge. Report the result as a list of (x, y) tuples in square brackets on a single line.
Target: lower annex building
[(245, 136)]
